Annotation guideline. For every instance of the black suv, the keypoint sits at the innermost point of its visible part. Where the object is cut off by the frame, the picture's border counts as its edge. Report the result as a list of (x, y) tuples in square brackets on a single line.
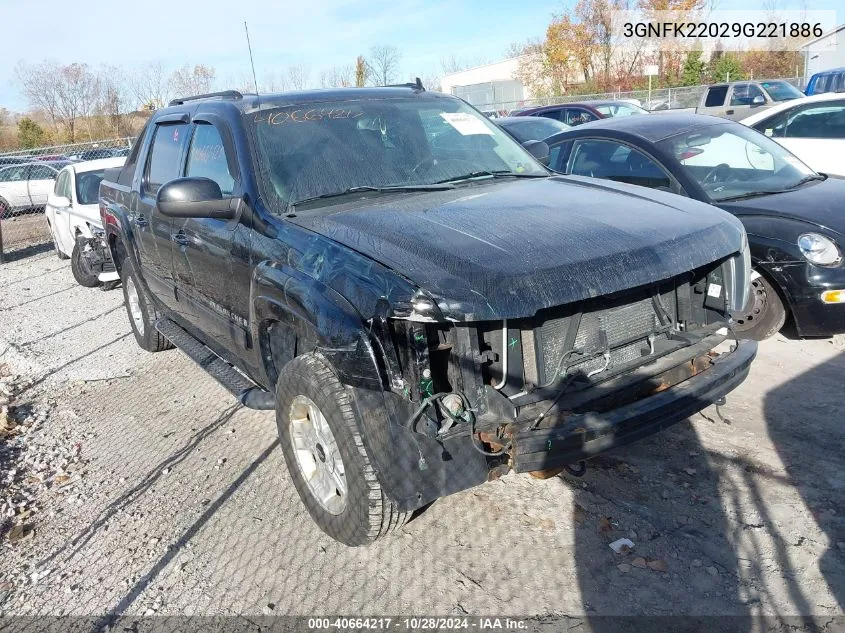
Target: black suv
[(421, 301)]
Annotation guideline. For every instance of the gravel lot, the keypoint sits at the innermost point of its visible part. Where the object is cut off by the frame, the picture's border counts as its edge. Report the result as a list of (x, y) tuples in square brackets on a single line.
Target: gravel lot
[(151, 491)]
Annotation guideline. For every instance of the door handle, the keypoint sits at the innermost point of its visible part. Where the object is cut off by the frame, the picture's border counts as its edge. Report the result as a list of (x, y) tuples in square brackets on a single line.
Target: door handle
[(180, 238), (729, 111), (142, 221)]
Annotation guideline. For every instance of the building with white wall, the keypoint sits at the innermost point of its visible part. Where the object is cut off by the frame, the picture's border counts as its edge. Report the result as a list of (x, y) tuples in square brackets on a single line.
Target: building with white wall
[(823, 53), (491, 86)]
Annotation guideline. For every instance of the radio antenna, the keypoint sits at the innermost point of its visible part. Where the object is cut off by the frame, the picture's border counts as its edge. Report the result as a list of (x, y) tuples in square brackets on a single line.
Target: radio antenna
[(251, 61)]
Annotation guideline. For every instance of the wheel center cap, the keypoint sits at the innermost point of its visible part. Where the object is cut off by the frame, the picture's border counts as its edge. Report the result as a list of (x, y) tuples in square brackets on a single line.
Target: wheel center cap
[(321, 453)]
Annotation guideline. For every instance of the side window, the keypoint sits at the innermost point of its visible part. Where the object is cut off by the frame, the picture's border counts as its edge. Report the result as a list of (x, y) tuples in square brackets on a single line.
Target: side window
[(775, 126), (557, 156), (557, 115), (62, 182), (577, 116), (744, 94), (42, 172), (716, 97), (823, 120), (207, 158), (164, 160), (612, 160)]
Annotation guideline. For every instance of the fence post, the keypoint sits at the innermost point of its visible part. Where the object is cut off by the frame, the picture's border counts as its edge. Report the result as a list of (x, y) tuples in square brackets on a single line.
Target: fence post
[(1, 241)]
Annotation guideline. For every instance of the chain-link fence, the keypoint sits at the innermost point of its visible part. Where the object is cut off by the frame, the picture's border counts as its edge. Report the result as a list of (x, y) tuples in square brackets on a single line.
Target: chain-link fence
[(655, 100), (27, 178)]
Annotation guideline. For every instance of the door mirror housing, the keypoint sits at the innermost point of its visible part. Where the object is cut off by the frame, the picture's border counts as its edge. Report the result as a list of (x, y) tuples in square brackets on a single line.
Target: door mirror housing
[(59, 201), (195, 198), (758, 100), (539, 150)]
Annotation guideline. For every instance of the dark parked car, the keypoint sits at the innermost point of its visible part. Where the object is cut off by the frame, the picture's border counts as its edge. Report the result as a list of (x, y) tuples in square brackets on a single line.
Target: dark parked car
[(422, 302), (585, 111), (524, 128), (793, 216)]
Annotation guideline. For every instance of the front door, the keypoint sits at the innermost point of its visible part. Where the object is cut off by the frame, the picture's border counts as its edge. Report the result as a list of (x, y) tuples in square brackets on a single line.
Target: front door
[(743, 101), (206, 284), (152, 228)]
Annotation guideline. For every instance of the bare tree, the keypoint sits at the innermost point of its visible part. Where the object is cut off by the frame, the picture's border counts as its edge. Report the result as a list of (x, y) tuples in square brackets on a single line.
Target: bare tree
[(149, 85), (383, 64), (361, 71), (337, 77), (299, 76), (451, 64), (113, 97), (65, 93), (198, 80)]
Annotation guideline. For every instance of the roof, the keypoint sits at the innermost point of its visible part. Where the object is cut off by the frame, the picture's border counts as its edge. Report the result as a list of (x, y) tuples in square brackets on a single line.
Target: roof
[(251, 102), (787, 105), (97, 164), (655, 127)]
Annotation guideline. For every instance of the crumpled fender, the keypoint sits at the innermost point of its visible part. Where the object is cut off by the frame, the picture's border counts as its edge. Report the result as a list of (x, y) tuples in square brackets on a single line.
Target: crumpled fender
[(317, 316)]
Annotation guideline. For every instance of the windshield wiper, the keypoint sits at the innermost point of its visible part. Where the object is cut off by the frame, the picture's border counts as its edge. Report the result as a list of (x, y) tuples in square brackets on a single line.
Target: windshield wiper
[(766, 192), (366, 188), (503, 173)]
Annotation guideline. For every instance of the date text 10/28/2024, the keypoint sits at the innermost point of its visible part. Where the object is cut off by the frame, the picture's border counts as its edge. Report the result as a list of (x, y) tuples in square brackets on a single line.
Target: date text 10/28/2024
[(417, 623)]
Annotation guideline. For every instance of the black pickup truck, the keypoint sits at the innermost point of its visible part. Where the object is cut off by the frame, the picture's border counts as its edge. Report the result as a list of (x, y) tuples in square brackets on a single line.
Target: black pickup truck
[(425, 306)]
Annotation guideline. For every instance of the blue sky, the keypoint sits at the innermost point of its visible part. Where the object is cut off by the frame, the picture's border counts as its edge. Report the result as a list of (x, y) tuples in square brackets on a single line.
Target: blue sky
[(319, 33)]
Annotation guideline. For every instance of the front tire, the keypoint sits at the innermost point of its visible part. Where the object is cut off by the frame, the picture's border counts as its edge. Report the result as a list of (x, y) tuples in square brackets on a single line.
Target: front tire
[(142, 312), (765, 316), (81, 269), (320, 435)]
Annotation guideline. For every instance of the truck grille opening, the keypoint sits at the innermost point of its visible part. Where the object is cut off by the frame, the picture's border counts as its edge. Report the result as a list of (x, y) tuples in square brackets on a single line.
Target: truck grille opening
[(620, 329)]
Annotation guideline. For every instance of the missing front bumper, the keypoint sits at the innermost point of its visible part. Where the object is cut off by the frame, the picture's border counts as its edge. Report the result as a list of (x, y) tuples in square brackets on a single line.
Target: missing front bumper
[(582, 436)]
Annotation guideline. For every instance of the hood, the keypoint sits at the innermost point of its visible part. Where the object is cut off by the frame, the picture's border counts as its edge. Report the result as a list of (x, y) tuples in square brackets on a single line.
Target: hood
[(819, 202), (508, 248)]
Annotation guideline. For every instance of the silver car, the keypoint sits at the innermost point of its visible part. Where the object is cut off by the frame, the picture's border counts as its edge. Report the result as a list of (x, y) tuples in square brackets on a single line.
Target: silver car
[(741, 99)]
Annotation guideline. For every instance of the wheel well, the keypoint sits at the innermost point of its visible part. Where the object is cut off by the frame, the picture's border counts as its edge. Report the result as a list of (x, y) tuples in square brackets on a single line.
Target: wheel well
[(118, 251), (781, 294), (279, 345)]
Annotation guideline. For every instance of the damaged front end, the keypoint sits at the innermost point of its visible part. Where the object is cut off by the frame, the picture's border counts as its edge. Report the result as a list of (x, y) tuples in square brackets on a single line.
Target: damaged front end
[(96, 256), (470, 401)]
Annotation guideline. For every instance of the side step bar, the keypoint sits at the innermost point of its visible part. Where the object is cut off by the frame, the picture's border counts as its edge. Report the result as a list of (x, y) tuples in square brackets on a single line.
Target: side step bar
[(246, 391)]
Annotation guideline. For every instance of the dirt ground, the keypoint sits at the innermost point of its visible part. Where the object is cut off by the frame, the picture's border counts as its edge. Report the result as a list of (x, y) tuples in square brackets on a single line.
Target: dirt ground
[(24, 235), (152, 492)]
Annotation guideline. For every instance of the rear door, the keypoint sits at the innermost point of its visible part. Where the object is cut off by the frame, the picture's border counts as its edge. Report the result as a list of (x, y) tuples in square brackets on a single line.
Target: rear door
[(814, 132), (13, 188), (152, 229), (42, 180), (715, 101)]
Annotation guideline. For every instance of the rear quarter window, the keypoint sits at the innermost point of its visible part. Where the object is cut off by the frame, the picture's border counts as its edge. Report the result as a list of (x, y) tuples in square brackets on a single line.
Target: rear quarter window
[(716, 97)]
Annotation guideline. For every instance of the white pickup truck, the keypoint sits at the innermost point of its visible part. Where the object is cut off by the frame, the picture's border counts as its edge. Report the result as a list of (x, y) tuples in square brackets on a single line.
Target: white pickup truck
[(73, 214)]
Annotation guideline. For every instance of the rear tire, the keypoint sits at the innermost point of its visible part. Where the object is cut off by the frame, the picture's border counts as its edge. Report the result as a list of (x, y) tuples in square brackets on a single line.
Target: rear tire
[(353, 509), (142, 312), (81, 269), (765, 316)]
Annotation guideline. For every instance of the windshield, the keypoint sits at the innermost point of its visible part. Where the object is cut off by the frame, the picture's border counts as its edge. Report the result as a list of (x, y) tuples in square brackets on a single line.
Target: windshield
[(781, 91), (534, 128), (321, 149), (731, 161), (619, 109), (88, 186)]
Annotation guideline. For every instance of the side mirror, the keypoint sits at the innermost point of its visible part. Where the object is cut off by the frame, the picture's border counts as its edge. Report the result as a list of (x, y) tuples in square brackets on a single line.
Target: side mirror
[(59, 201), (539, 150), (758, 100), (195, 198)]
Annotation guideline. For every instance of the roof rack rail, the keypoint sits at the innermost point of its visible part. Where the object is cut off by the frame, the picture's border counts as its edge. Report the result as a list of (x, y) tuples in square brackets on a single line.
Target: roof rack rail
[(225, 94), (414, 85)]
